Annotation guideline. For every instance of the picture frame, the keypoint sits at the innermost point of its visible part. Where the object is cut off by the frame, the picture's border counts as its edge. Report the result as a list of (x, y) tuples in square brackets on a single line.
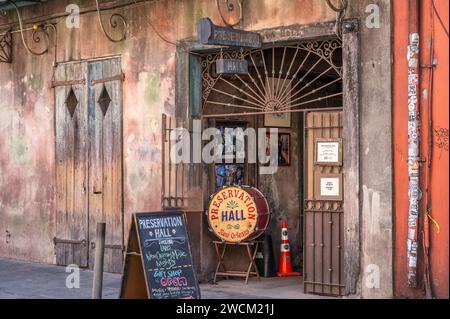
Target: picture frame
[(229, 175), (328, 151), (228, 154), (329, 187), (280, 120), (284, 148)]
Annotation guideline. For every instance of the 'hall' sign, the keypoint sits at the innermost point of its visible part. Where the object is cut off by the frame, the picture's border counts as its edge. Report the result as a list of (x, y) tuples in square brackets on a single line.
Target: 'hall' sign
[(231, 66), (209, 33)]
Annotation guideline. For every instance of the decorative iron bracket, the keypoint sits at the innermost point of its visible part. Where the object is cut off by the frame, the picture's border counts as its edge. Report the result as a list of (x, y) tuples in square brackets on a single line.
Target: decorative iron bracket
[(340, 15), (6, 47), (37, 30), (114, 20)]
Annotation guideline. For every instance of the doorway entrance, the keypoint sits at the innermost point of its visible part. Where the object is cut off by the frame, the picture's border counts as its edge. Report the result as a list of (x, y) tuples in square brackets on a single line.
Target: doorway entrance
[(88, 128), (298, 89)]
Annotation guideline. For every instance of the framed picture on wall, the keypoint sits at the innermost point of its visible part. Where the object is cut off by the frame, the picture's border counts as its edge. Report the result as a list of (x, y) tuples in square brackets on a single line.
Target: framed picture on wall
[(229, 175), (328, 187), (328, 151), (277, 120), (284, 148), (283, 87)]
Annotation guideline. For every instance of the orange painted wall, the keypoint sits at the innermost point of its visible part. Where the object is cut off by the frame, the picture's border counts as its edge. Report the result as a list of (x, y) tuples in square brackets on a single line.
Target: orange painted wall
[(439, 258)]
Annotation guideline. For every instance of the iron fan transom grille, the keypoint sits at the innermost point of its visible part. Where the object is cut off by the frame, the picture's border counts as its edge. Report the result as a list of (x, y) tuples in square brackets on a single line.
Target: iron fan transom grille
[(280, 79)]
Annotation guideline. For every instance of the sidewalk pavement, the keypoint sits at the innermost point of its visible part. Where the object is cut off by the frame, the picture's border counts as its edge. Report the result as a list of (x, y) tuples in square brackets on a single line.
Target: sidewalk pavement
[(26, 280)]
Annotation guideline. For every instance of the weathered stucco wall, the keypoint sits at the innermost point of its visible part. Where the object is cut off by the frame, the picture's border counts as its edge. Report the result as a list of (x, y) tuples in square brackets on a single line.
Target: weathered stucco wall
[(376, 149), (27, 165), (27, 178), (27, 169)]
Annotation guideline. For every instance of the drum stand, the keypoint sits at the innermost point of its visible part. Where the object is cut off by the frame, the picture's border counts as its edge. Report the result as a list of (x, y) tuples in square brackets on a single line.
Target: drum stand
[(221, 248)]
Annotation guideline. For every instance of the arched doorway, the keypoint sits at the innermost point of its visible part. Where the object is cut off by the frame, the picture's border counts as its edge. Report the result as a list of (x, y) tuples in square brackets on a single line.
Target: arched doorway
[(298, 88)]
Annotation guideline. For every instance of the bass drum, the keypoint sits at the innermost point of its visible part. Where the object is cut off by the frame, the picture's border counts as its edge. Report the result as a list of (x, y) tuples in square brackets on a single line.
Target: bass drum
[(238, 214)]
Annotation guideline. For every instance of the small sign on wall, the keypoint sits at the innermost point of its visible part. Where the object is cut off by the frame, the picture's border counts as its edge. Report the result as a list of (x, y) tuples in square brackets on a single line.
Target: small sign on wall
[(328, 186), (231, 66), (328, 151)]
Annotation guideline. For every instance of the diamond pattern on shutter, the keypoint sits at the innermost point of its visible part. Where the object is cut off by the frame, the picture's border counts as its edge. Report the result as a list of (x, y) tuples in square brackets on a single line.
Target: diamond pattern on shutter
[(71, 102), (104, 100)]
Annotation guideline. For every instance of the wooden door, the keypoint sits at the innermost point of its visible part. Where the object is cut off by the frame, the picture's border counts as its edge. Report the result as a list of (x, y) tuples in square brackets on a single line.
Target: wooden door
[(89, 162), (71, 114), (323, 204), (105, 160)]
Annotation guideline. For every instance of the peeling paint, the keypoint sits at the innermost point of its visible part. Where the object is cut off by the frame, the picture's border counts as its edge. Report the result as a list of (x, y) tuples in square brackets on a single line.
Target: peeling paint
[(18, 150), (381, 233), (137, 179), (152, 95)]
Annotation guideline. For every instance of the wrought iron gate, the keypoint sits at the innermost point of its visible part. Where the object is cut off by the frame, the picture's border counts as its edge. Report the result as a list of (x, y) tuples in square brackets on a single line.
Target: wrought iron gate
[(323, 239)]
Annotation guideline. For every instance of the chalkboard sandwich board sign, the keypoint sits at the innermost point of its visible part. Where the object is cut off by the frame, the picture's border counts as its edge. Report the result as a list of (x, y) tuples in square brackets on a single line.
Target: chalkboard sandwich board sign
[(158, 261)]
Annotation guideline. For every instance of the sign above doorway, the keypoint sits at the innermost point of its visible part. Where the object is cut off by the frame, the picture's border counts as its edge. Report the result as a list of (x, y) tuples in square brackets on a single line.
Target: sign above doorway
[(211, 34)]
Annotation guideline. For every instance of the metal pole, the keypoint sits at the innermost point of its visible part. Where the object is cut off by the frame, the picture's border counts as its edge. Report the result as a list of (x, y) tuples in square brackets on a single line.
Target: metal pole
[(415, 193), (98, 264)]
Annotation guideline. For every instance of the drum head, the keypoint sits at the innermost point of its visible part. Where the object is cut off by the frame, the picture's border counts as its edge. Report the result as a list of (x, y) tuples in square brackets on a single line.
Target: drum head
[(232, 214)]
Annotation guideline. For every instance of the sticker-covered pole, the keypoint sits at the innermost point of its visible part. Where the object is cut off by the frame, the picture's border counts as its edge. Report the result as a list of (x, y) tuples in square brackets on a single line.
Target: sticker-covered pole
[(413, 142)]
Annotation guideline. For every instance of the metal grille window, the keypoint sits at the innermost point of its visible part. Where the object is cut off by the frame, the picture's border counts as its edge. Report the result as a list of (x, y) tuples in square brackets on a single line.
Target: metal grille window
[(178, 179)]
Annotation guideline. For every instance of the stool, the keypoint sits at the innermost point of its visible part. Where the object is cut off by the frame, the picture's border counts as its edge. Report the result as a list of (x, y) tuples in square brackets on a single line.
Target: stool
[(221, 248)]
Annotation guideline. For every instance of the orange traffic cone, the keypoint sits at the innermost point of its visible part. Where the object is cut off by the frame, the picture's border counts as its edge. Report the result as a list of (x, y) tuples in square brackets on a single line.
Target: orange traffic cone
[(285, 269)]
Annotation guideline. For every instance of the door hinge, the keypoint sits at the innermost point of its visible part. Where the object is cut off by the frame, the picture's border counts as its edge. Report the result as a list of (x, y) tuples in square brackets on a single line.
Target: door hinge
[(82, 242), (67, 83), (118, 77)]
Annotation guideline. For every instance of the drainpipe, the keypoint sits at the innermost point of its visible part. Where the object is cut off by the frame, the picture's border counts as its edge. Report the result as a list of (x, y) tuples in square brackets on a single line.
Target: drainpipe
[(414, 191)]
